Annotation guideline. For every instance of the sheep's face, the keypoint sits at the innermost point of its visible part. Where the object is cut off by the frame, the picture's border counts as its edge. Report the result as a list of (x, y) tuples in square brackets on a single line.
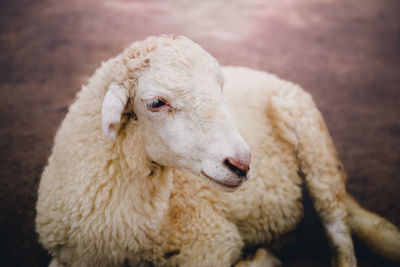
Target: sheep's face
[(180, 110), (179, 105)]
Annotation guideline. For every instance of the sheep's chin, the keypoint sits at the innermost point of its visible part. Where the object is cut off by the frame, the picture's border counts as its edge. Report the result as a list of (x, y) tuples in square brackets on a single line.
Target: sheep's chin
[(218, 184)]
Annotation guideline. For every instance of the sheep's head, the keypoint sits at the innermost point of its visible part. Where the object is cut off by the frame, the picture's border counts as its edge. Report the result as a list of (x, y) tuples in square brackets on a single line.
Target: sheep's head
[(180, 110)]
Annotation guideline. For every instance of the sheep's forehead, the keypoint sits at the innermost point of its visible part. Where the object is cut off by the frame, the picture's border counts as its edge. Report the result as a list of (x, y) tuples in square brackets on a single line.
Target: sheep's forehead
[(185, 66)]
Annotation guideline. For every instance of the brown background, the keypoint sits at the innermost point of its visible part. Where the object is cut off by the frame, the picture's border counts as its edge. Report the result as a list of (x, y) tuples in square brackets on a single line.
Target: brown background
[(346, 53)]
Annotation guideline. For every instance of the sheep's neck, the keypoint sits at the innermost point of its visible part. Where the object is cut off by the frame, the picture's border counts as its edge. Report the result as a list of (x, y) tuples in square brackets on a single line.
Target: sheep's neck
[(141, 179), (141, 193)]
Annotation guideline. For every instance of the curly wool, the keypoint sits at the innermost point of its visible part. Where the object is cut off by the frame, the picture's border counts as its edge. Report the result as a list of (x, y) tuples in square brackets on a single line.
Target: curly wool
[(104, 203)]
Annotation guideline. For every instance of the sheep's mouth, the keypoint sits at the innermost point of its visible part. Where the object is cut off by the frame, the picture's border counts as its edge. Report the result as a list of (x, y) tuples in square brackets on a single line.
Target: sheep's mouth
[(221, 185)]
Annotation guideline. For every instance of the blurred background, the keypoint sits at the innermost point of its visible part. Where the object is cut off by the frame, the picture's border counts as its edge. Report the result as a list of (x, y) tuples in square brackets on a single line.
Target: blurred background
[(346, 53)]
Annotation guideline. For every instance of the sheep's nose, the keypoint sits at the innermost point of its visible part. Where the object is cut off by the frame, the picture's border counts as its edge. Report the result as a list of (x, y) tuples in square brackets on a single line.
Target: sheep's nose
[(241, 169)]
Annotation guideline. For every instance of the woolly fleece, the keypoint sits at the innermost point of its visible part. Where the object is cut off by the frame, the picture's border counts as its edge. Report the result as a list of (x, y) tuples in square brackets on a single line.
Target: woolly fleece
[(103, 203)]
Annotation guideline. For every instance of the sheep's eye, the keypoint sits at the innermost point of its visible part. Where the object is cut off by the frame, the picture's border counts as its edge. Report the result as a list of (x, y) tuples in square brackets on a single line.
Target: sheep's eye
[(156, 105)]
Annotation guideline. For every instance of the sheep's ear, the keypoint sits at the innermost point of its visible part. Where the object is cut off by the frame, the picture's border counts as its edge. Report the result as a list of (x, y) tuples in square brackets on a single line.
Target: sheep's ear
[(111, 111)]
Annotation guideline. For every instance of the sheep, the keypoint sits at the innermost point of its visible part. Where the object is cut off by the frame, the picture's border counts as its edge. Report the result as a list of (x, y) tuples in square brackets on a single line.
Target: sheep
[(152, 164)]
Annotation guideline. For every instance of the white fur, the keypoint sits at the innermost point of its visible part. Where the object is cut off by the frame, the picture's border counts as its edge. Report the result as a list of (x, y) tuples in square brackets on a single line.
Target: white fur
[(138, 196)]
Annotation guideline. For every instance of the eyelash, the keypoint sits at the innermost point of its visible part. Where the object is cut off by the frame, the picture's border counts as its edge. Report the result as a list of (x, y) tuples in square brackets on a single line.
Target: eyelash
[(156, 105)]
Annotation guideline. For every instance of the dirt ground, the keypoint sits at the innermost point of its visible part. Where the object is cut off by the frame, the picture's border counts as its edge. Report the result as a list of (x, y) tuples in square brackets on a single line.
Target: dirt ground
[(346, 53)]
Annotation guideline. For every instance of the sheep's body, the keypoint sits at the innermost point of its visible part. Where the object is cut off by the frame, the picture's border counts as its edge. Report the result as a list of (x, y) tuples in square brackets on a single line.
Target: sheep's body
[(266, 207), (103, 203)]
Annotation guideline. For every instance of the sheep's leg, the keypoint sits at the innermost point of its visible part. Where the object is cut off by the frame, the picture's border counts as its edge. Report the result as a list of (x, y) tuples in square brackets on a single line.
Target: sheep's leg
[(301, 124), (341, 243), (262, 258), (380, 235), (220, 249), (198, 236), (54, 263), (327, 189), (325, 182)]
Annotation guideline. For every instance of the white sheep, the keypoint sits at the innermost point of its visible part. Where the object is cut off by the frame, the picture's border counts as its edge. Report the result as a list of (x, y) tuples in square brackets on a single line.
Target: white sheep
[(121, 184)]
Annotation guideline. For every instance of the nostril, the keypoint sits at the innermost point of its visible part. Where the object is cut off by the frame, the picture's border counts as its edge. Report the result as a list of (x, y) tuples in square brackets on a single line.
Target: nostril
[(240, 169)]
